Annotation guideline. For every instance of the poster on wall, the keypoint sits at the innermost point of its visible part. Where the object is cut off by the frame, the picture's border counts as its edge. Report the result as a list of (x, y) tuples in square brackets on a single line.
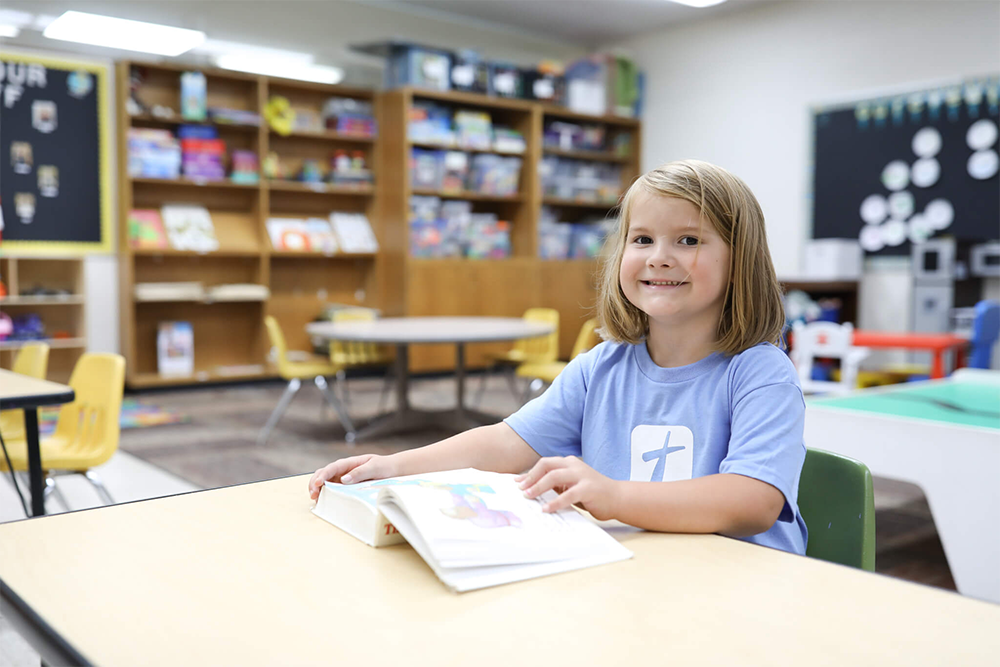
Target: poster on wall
[(903, 169), (55, 156)]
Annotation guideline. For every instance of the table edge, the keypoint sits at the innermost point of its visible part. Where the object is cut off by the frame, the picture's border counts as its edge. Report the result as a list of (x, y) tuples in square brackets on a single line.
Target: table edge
[(38, 400), (53, 647)]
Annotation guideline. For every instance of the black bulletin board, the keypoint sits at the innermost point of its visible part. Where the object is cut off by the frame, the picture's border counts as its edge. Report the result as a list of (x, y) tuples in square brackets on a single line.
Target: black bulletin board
[(54, 156), (854, 143)]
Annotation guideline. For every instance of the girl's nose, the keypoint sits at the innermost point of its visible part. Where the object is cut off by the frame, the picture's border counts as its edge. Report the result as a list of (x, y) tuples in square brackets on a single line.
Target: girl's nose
[(660, 256)]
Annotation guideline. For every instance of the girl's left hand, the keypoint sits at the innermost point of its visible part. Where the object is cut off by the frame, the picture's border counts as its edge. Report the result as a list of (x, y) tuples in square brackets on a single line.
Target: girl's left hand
[(575, 482)]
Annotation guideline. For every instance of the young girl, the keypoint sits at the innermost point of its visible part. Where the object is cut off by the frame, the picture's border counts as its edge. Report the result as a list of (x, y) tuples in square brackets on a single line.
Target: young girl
[(688, 418)]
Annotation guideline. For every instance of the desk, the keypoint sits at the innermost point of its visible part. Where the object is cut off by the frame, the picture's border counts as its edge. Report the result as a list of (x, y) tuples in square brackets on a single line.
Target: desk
[(246, 575), (937, 344), (26, 393), (943, 435), (404, 331)]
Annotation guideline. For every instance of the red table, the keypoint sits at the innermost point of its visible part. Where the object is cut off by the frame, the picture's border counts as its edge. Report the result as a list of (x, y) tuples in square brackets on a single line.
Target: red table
[(937, 344)]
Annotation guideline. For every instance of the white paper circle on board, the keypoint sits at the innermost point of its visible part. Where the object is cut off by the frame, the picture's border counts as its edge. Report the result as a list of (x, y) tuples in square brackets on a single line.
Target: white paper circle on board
[(896, 175), (920, 228), (939, 214), (926, 142), (925, 172), (984, 164), (871, 238), (981, 135), (874, 209), (901, 205), (894, 232)]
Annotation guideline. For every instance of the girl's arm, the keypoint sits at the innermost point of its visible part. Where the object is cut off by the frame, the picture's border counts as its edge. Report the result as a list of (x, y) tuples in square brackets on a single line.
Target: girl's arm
[(496, 448)]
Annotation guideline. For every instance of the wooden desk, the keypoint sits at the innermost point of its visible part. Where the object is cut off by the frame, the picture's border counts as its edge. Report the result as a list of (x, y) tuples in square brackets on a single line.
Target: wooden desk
[(246, 575), (27, 393), (937, 344)]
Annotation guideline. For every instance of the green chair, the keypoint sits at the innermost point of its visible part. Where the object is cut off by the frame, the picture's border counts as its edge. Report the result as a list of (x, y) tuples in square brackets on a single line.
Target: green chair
[(838, 504)]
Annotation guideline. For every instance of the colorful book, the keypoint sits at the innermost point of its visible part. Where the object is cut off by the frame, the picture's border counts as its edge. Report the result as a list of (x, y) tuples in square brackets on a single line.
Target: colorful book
[(175, 349), (354, 232), (189, 227), (145, 230), (474, 529)]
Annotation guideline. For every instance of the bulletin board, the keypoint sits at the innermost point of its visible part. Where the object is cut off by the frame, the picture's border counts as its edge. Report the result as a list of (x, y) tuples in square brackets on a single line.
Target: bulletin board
[(899, 169), (55, 156)]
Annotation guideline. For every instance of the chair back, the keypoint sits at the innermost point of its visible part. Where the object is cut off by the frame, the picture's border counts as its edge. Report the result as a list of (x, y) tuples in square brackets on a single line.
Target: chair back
[(32, 360), (837, 502), (985, 331), (542, 348), (587, 338), (90, 424), (353, 353), (277, 338), (828, 340)]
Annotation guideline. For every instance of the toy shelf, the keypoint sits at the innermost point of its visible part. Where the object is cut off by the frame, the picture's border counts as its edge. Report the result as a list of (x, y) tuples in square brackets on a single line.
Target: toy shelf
[(230, 342)]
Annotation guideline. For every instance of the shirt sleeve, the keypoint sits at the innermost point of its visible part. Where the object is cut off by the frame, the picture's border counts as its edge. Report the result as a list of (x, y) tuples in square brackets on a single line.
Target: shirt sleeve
[(766, 439), (552, 423)]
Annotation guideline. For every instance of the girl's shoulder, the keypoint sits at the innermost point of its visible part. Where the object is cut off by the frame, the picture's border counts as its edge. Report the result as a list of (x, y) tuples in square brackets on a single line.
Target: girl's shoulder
[(761, 365)]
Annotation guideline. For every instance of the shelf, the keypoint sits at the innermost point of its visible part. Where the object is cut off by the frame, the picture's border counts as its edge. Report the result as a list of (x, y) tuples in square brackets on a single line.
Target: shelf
[(555, 201), (322, 188), (328, 135), (192, 182), (54, 343), (441, 147), (472, 99), (170, 252), (147, 119), (562, 112), (202, 302), (471, 196), (148, 380), (599, 156), (70, 300), (319, 255)]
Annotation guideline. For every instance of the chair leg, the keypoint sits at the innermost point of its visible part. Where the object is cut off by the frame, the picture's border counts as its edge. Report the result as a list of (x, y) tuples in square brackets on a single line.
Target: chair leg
[(98, 485), (512, 382), (279, 410), (338, 407), (342, 385), (53, 489), (483, 379), (531, 390)]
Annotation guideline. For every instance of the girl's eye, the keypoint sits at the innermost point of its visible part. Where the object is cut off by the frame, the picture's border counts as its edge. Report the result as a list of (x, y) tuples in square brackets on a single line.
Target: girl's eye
[(642, 239), (690, 241)]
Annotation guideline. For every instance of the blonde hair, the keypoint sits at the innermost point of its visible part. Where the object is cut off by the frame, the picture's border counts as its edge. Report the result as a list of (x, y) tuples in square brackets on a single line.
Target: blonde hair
[(752, 312)]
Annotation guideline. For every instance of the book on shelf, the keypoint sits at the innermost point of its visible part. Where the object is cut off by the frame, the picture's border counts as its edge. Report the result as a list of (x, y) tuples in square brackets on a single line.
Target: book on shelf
[(175, 349), (145, 230), (474, 529), (303, 235), (354, 232), (238, 292), (175, 291), (189, 227)]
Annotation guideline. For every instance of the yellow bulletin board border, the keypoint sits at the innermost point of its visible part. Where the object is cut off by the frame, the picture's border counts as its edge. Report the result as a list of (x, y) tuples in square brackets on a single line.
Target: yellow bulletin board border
[(76, 248)]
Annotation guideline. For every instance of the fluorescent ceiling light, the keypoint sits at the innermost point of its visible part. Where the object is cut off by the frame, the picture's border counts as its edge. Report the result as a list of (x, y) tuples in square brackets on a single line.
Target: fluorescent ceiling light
[(289, 69), (7, 30), (123, 34), (218, 47), (14, 18), (698, 3)]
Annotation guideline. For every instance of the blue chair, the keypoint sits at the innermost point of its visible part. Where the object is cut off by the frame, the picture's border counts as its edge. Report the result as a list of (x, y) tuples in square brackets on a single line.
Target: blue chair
[(985, 331)]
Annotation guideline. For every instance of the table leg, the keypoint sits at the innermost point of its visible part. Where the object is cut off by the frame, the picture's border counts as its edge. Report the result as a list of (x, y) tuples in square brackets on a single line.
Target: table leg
[(402, 378), (460, 379), (937, 366), (34, 462)]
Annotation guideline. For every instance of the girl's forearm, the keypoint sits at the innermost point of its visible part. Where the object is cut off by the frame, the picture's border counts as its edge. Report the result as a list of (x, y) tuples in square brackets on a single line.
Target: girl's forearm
[(729, 504), (496, 447)]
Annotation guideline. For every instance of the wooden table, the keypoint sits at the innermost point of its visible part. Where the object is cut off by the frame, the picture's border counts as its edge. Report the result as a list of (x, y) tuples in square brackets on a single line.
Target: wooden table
[(246, 575), (404, 331), (944, 436), (937, 344), (27, 393)]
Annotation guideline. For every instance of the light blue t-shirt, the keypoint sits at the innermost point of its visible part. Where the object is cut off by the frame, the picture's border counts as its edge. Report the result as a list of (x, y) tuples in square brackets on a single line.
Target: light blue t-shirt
[(630, 419)]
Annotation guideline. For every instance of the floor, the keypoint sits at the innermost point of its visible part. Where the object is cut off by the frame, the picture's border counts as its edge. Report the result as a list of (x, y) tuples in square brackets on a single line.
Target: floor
[(217, 448)]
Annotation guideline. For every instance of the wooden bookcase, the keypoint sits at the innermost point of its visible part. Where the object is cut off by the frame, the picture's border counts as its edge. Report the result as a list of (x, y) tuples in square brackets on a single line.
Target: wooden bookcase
[(229, 338), (62, 314), (452, 286)]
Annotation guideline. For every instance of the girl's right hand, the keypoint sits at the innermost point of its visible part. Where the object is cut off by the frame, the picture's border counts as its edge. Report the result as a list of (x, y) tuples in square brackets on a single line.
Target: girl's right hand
[(350, 471)]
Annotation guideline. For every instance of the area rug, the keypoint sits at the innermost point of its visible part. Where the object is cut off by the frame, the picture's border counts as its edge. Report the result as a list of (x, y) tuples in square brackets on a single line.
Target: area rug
[(135, 414)]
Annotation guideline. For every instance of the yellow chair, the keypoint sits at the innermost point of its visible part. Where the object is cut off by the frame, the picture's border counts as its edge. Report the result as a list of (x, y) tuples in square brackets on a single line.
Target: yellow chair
[(355, 354), (87, 429), (315, 368), (542, 349), (32, 360), (544, 373)]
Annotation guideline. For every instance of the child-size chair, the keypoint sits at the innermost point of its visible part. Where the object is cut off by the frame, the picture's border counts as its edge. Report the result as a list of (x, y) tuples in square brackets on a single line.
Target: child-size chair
[(826, 340), (87, 429), (541, 349), (315, 368), (355, 354), (985, 330), (544, 373), (32, 360), (837, 502)]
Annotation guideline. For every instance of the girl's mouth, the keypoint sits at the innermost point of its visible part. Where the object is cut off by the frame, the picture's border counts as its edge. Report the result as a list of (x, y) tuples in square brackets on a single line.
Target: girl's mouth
[(663, 283)]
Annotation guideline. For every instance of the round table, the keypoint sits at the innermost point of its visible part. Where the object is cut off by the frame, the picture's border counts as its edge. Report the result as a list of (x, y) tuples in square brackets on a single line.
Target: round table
[(404, 331)]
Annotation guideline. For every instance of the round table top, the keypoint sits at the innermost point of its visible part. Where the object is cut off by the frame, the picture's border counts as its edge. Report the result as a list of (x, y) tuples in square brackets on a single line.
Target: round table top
[(430, 329)]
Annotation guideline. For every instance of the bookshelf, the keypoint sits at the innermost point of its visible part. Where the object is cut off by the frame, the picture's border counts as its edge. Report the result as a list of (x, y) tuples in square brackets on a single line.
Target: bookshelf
[(63, 314), (229, 337), (497, 287)]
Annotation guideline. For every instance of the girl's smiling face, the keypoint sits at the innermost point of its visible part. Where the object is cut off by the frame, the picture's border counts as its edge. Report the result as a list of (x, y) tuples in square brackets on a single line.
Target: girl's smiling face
[(673, 268)]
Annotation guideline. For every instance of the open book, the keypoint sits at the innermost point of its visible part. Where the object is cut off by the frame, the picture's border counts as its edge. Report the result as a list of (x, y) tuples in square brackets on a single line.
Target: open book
[(475, 529)]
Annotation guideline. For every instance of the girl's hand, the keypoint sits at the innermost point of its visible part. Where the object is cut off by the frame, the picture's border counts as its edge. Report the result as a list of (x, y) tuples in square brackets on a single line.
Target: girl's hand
[(350, 471), (575, 482)]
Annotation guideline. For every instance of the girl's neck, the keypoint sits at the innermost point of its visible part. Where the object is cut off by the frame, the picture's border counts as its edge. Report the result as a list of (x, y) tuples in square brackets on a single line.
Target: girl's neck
[(675, 345)]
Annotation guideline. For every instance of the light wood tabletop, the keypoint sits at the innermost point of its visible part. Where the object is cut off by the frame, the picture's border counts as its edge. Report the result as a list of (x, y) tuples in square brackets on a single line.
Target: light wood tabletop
[(401, 330), (19, 391), (247, 575)]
